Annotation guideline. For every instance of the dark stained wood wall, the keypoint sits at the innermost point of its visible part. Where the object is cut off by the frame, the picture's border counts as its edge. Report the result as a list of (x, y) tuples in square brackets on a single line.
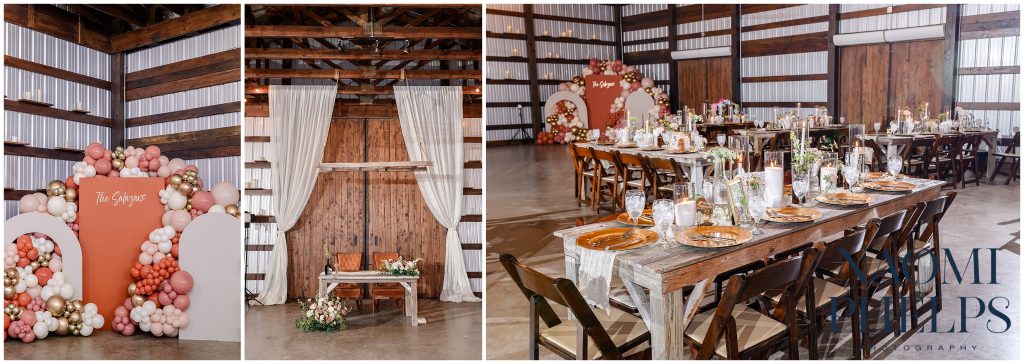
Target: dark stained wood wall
[(863, 94), (704, 79)]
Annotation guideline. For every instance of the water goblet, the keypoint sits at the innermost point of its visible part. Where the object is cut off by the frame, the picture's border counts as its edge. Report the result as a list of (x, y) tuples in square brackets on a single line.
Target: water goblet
[(894, 166), (635, 202), (663, 217), (877, 126), (801, 183), (720, 138), (757, 207)]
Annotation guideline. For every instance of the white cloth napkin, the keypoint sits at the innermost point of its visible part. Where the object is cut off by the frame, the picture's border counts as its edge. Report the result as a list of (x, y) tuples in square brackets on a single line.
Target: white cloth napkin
[(595, 276)]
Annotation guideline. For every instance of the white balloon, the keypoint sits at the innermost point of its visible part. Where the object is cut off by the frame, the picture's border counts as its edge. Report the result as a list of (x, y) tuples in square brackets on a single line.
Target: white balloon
[(67, 290), (176, 201), (21, 286), (97, 321), (91, 308), (56, 205), (90, 171), (31, 281), (149, 307), (86, 330), (46, 292), (40, 330), (216, 209)]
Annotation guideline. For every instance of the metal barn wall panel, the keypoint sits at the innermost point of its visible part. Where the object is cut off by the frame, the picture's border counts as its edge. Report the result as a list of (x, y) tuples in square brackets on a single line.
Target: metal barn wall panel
[(637, 9), (31, 173), (784, 14), (64, 95), (583, 11), (706, 25), (785, 64), (192, 47), (40, 48), (217, 170), (978, 9), (907, 19)]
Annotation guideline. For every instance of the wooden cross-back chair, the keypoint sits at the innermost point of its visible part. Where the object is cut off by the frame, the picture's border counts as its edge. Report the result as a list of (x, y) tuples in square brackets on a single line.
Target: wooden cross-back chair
[(967, 159), (631, 165), (736, 331), (1010, 153), (591, 335), (608, 178), (926, 244), (662, 173), (385, 291), (943, 158), (586, 173)]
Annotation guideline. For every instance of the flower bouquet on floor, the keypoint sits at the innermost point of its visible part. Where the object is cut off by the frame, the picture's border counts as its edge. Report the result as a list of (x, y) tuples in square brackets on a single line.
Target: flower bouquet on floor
[(400, 267), (323, 313)]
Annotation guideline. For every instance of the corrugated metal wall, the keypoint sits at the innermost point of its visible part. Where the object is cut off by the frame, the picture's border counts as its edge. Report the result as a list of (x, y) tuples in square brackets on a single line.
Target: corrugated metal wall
[(29, 173), (213, 169), (991, 52)]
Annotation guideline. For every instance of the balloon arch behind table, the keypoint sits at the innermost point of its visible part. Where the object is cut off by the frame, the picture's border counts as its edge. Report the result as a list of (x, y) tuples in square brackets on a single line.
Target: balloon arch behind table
[(565, 127), (141, 188)]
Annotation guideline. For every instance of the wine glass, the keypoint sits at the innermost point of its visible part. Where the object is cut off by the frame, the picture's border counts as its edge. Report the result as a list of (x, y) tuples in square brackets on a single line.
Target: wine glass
[(635, 202), (720, 138), (877, 126), (757, 207), (894, 166), (801, 183), (663, 217)]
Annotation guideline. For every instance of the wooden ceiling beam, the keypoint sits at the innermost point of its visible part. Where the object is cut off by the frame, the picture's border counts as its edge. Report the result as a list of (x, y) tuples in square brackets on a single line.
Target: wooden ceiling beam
[(122, 13), (362, 55), (363, 74), (181, 26), (251, 89), (303, 31)]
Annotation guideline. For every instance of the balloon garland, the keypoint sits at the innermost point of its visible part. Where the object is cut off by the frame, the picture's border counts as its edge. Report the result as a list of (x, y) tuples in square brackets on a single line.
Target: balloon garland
[(158, 295), (37, 296), (566, 125)]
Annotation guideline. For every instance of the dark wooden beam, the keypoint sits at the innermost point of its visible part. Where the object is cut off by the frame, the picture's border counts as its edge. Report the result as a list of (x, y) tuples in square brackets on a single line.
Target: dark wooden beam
[(201, 139), (15, 195), (187, 24), (122, 13), (784, 23), (352, 109), (198, 112), (673, 68), (759, 8), (362, 55), (734, 43), (52, 112), (832, 67), (27, 151), (530, 29), (213, 79), (950, 60), (118, 125), (362, 74), (360, 90), (306, 31), (199, 66), (617, 33), (883, 10), (802, 43), (50, 20), (42, 69)]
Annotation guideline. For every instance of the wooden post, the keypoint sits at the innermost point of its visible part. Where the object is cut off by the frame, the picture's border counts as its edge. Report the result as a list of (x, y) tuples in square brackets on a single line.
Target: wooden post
[(737, 96), (617, 12), (673, 67), (832, 101), (950, 66), (117, 117), (531, 54)]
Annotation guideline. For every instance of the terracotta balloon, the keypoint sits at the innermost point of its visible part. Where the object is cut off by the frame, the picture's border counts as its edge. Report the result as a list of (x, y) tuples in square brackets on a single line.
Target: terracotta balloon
[(70, 182), (153, 151), (44, 274), (180, 219), (94, 150), (224, 194), (131, 162), (202, 201), (103, 166), (181, 282), (29, 203)]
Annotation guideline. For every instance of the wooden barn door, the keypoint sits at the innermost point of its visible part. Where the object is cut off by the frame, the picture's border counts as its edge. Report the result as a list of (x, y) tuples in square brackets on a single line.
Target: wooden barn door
[(876, 79), (704, 79)]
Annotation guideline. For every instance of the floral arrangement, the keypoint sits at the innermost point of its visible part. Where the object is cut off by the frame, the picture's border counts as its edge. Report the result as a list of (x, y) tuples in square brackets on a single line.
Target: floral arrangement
[(400, 267), (721, 154), (323, 313), (722, 106), (802, 161), (566, 125), (632, 81), (158, 294)]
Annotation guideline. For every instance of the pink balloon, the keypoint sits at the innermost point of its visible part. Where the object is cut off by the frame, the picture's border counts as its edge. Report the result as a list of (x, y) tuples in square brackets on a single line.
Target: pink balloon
[(192, 167), (564, 86), (163, 171), (131, 162), (56, 263), (166, 219), (103, 166), (634, 86), (144, 165), (120, 311), (180, 219), (624, 94), (156, 328), (128, 330), (89, 160), (29, 203), (202, 201), (176, 164), (224, 194), (114, 174), (128, 304), (107, 154), (647, 82), (28, 317), (182, 301), (94, 150), (181, 282), (154, 165), (153, 151)]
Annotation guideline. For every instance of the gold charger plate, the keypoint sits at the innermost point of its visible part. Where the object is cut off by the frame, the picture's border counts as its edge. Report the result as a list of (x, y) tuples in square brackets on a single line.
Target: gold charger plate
[(677, 151), (646, 219), (612, 239), (651, 149), (713, 236), (630, 145), (793, 214), (877, 175), (605, 142), (890, 186), (845, 198)]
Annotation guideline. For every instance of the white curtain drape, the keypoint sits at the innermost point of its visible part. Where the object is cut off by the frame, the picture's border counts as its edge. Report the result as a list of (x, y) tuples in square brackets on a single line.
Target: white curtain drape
[(300, 117), (431, 118)]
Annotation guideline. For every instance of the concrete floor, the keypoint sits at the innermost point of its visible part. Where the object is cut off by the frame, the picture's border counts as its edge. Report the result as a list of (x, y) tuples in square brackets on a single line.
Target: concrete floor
[(529, 196), (452, 331), (107, 345)]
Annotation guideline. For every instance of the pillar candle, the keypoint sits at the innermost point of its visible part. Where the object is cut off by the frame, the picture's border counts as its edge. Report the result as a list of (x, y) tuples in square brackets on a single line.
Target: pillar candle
[(773, 179), (39, 94), (686, 213)]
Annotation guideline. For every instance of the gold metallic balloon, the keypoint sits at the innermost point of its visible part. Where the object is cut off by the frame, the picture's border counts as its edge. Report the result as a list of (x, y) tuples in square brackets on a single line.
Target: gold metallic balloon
[(78, 305), (195, 188), (117, 164), (188, 207), (231, 210), (9, 292), (131, 289), (175, 180), (53, 187), (75, 317), (63, 326), (55, 304), (35, 265), (11, 273), (71, 194), (185, 188), (137, 300)]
